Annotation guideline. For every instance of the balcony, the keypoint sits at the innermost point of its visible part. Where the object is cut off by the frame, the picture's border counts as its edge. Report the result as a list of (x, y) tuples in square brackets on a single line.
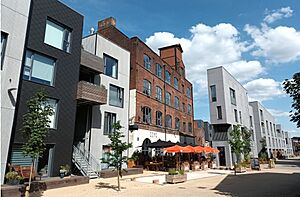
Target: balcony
[(88, 93), (92, 62)]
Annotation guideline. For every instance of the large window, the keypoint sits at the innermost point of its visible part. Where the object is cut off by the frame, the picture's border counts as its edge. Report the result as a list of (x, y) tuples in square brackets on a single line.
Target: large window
[(177, 123), (57, 36), (241, 119), (39, 68), (158, 93), (236, 116), (183, 107), (158, 118), (116, 96), (147, 87), (3, 46), (168, 98), (261, 115), (232, 96), (168, 77), (169, 121), (183, 126), (146, 115), (110, 66), (188, 92), (219, 112), (109, 121), (53, 118), (158, 70), (190, 129), (147, 62), (213, 93), (177, 106), (176, 83), (189, 109)]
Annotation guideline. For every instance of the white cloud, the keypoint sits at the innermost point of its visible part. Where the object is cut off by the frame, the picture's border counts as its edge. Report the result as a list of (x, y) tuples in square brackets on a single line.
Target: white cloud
[(278, 45), (275, 15), (278, 113), (210, 46), (264, 89)]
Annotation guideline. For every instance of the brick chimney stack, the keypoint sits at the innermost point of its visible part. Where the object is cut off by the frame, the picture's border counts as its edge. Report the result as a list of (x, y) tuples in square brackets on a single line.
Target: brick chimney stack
[(172, 55), (111, 21)]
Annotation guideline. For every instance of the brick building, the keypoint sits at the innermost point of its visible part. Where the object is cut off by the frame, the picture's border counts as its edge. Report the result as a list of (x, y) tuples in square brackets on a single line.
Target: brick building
[(161, 100)]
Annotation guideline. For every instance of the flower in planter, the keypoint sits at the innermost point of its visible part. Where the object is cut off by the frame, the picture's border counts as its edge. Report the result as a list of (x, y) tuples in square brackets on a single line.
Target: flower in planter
[(13, 178)]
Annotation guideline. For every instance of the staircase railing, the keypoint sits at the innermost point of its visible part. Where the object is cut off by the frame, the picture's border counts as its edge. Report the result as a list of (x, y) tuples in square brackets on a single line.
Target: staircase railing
[(86, 158)]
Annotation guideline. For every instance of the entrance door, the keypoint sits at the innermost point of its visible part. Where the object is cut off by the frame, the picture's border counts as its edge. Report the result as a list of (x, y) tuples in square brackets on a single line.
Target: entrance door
[(222, 159), (44, 165)]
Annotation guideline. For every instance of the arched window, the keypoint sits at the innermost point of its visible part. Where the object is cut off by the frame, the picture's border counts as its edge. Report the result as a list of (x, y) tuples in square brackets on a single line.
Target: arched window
[(168, 77), (177, 123), (158, 70), (169, 121), (158, 118), (147, 87), (158, 93), (147, 62), (146, 115), (176, 83)]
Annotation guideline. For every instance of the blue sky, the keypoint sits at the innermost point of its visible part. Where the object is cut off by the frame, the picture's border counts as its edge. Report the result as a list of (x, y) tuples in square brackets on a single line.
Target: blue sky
[(257, 41)]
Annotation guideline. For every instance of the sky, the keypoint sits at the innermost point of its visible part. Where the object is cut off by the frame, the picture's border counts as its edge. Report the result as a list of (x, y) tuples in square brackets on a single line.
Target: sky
[(258, 42)]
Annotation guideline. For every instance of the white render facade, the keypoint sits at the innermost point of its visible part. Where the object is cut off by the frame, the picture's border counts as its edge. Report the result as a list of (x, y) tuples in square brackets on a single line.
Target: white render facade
[(228, 102), (14, 19), (107, 114)]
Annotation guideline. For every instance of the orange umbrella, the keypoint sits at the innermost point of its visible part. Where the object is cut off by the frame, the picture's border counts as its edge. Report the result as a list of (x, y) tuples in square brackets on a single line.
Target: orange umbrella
[(199, 149), (207, 149), (178, 149), (192, 149), (215, 150)]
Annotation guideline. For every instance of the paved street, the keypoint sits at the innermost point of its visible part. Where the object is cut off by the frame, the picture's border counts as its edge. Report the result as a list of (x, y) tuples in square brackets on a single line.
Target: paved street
[(282, 181)]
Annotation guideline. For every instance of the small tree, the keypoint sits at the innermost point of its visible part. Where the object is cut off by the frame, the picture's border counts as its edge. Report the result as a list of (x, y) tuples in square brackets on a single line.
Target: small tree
[(246, 136), (35, 128), (236, 142), (263, 152), (292, 87), (115, 157)]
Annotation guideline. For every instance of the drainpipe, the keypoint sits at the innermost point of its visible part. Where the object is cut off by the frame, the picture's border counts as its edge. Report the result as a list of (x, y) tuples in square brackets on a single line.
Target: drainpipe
[(165, 108)]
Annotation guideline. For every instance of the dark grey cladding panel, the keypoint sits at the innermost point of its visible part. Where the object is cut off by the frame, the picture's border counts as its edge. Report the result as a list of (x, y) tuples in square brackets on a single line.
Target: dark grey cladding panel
[(92, 61), (220, 136)]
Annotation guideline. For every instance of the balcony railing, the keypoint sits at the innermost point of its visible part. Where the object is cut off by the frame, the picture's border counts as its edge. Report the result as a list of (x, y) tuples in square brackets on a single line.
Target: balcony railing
[(91, 93), (92, 62)]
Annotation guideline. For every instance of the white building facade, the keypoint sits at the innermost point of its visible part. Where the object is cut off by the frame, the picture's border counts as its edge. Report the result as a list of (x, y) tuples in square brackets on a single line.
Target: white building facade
[(14, 19), (116, 79), (228, 102)]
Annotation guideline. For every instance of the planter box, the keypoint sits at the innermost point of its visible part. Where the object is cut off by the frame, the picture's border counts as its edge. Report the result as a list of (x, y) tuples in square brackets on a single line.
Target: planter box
[(178, 178), (240, 169)]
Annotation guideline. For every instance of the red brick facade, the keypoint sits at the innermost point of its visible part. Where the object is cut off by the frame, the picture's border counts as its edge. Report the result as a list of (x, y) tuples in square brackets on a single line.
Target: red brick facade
[(138, 73)]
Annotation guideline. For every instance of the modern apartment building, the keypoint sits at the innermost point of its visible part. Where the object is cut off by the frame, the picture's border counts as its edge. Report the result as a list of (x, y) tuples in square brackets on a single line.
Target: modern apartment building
[(51, 61), (161, 99), (14, 18), (115, 78), (228, 102)]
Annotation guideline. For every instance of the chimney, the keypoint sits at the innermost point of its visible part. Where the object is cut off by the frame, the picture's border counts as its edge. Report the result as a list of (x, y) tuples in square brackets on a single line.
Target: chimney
[(111, 21)]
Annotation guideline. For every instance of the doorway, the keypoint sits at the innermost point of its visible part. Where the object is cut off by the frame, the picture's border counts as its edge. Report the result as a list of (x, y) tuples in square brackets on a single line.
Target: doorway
[(44, 165), (222, 159)]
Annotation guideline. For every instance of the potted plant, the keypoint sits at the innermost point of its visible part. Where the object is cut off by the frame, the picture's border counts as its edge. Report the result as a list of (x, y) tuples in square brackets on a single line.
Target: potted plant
[(239, 168), (133, 160), (13, 178), (64, 170), (176, 176)]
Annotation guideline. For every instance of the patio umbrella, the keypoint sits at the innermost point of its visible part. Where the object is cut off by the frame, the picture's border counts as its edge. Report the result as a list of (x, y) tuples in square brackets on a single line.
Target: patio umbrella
[(160, 144), (178, 149), (214, 150), (207, 149), (199, 149)]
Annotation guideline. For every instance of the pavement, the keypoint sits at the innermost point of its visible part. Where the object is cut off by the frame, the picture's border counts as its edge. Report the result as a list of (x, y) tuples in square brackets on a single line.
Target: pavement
[(281, 181)]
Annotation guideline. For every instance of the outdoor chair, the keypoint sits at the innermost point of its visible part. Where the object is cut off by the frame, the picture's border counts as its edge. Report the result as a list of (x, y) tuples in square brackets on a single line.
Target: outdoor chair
[(185, 166), (195, 166)]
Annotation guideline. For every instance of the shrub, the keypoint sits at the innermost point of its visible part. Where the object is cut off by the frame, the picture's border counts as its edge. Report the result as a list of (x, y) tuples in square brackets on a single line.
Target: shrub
[(175, 172), (12, 175)]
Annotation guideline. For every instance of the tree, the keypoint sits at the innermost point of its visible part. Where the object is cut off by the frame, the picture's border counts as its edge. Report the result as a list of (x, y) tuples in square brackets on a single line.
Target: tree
[(240, 142), (35, 128), (292, 87), (115, 157)]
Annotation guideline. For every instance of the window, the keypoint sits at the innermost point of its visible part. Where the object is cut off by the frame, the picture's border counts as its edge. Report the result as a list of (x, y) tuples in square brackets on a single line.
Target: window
[(219, 112), (3, 46), (39, 68), (147, 62), (189, 109), (240, 113), (190, 127), (183, 107), (146, 115), (53, 118), (158, 70), (109, 121), (158, 93), (177, 123), (213, 93), (168, 77), (184, 126), (232, 96), (177, 103), (169, 121), (158, 118), (116, 96), (181, 71), (251, 121), (147, 87), (176, 83), (261, 115), (188, 92), (168, 98), (110, 66), (236, 116), (182, 87), (57, 36), (267, 124)]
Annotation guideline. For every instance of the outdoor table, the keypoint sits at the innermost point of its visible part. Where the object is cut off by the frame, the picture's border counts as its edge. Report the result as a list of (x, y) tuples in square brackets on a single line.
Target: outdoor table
[(154, 165)]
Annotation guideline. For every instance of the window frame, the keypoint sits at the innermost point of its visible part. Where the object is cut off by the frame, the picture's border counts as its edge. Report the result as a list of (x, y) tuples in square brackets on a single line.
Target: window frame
[(158, 70), (147, 65), (176, 83), (159, 119), (177, 123), (4, 39), (168, 98), (112, 120), (213, 93), (236, 115), (188, 92), (232, 96), (55, 111), (168, 120), (120, 93), (105, 56), (189, 109), (147, 118), (219, 112), (177, 103), (147, 90), (158, 95), (190, 127), (167, 77)]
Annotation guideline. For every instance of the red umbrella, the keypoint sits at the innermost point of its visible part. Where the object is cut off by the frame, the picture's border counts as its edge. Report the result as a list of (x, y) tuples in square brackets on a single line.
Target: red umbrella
[(199, 149), (207, 149), (178, 149)]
